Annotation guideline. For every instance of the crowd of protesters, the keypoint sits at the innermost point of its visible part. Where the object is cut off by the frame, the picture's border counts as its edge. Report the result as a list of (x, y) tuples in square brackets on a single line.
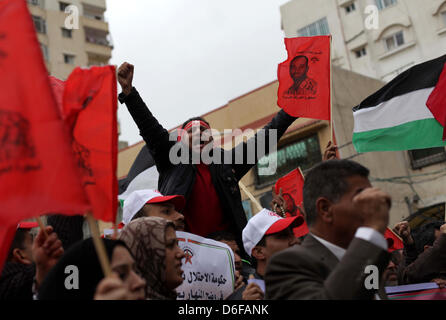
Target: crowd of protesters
[(347, 218)]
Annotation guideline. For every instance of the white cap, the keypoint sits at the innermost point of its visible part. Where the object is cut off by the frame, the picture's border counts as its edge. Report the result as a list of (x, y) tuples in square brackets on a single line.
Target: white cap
[(137, 199), (264, 222)]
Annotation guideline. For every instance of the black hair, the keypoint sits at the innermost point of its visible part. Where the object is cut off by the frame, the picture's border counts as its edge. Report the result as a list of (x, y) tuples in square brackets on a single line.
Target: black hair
[(426, 235), (298, 57), (194, 119), (17, 242), (222, 235), (328, 179)]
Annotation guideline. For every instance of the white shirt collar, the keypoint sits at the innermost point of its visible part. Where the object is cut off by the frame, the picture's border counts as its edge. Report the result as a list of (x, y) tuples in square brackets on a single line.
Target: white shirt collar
[(336, 250)]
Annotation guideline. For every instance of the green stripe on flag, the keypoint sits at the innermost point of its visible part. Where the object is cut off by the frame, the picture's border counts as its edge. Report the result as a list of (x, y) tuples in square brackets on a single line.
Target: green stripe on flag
[(420, 134)]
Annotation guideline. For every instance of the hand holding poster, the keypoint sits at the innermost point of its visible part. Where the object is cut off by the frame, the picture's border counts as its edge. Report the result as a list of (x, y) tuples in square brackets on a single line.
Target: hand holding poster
[(292, 186), (208, 268), (304, 78)]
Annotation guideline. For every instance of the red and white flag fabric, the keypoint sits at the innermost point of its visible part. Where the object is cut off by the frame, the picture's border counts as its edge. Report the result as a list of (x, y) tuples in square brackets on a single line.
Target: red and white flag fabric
[(88, 104), (292, 186), (304, 78), (38, 173)]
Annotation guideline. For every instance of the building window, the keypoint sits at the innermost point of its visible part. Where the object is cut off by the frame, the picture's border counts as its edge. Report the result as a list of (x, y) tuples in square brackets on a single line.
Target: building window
[(68, 58), (394, 40), (350, 8), (382, 4), (426, 157), (360, 52), (318, 28), (304, 154), (39, 24), (67, 33), (45, 52), (63, 6)]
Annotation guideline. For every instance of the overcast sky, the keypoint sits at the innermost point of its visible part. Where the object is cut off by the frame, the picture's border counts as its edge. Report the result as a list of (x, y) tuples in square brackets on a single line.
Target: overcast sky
[(193, 56)]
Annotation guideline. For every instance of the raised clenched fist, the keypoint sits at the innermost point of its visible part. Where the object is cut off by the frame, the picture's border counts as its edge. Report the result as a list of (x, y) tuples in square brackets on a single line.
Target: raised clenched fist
[(125, 77), (373, 205)]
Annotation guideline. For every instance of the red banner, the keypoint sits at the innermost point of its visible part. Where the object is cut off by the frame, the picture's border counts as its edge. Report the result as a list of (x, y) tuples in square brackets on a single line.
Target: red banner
[(304, 79), (292, 186), (38, 174), (90, 111)]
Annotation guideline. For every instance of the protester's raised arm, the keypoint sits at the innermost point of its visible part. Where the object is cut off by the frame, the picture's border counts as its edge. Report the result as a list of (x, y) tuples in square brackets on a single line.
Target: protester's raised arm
[(155, 136), (273, 130)]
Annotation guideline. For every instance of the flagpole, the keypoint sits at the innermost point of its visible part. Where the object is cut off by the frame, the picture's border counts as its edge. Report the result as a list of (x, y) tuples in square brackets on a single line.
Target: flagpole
[(250, 196), (99, 245), (42, 226), (331, 95)]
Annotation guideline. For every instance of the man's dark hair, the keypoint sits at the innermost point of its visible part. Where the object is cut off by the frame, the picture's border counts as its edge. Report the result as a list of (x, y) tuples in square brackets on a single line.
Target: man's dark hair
[(18, 241), (328, 179), (194, 119), (222, 235), (426, 235)]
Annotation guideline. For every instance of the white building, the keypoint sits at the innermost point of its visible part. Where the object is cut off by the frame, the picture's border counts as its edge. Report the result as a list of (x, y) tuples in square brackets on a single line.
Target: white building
[(377, 38)]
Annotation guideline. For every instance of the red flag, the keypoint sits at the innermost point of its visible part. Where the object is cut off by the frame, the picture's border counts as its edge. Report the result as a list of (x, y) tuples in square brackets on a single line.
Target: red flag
[(292, 186), (37, 168), (304, 79), (90, 112), (7, 234), (393, 241), (437, 101)]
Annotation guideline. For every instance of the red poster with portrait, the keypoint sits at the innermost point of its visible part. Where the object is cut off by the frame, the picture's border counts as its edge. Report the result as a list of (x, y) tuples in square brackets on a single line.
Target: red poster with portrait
[(304, 78), (292, 186)]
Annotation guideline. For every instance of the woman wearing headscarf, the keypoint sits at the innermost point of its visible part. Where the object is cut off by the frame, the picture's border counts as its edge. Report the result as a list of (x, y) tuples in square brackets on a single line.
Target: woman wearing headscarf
[(153, 243), (84, 279)]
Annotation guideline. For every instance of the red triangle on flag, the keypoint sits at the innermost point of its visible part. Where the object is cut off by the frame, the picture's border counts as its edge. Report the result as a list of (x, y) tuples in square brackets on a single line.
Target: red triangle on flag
[(437, 101)]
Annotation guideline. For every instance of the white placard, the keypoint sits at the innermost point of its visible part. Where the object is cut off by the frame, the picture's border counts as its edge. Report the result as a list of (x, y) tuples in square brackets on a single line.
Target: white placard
[(208, 268)]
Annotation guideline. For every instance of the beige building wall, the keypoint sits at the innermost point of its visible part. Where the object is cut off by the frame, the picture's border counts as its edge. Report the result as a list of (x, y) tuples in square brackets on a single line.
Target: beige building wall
[(423, 24), (90, 44)]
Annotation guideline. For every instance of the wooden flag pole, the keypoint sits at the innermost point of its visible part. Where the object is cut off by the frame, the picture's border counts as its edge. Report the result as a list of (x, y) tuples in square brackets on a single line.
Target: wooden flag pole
[(42, 226), (250, 196), (99, 245)]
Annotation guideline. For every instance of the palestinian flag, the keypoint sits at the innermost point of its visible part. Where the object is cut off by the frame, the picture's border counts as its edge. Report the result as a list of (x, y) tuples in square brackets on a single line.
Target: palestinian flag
[(396, 117)]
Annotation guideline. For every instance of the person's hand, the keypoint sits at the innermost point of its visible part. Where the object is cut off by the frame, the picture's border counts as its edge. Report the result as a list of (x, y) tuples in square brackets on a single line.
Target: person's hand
[(440, 282), (46, 252), (278, 204), (252, 291), (111, 288), (373, 205), (330, 152), (403, 230), (125, 77), (238, 280), (443, 228)]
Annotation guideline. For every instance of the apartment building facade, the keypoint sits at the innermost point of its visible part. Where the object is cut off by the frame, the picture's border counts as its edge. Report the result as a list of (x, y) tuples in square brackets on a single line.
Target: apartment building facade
[(377, 38), (71, 33)]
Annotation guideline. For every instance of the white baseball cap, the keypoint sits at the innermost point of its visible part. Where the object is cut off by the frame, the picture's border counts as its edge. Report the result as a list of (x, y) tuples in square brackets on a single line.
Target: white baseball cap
[(263, 223), (137, 199)]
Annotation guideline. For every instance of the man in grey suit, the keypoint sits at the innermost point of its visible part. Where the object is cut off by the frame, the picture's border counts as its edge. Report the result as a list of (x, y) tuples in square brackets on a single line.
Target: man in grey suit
[(347, 218)]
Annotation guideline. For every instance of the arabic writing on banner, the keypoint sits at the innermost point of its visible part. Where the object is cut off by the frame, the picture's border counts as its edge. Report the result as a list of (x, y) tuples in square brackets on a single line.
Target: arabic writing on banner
[(208, 268), (420, 291)]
